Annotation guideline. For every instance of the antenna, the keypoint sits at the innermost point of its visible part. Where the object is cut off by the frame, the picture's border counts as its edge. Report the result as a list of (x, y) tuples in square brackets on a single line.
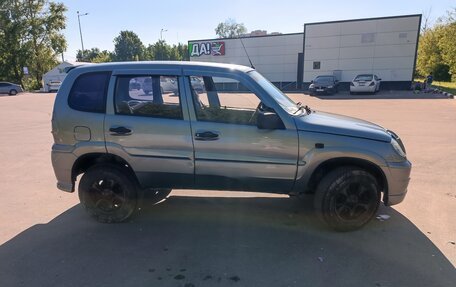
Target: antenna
[(245, 50)]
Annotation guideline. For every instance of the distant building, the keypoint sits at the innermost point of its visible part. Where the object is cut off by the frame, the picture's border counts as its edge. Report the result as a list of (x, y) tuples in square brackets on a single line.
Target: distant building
[(57, 74), (384, 46)]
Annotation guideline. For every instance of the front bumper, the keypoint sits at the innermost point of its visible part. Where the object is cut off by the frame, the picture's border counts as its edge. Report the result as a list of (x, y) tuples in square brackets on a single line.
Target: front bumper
[(398, 178), (322, 90), (362, 89)]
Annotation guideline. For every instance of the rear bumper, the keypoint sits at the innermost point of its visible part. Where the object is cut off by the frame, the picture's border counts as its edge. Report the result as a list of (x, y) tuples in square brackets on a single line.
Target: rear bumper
[(398, 180), (62, 162)]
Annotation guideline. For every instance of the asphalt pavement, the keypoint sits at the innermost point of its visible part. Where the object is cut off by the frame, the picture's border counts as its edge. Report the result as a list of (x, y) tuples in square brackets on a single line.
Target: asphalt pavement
[(219, 238)]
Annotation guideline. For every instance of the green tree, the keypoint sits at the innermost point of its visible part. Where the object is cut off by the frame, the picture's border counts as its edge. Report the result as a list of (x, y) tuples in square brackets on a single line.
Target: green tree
[(436, 50), (103, 57), (446, 42), (162, 50), (149, 53), (94, 55), (230, 29), (128, 47), (429, 54), (30, 37), (182, 51)]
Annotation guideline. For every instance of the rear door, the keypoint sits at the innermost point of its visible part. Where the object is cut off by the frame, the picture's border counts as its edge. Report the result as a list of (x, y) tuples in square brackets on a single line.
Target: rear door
[(149, 127)]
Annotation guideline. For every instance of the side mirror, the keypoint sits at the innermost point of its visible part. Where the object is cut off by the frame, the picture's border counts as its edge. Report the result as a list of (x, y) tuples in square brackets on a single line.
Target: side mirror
[(379, 79), (269, 121), (312, 82)]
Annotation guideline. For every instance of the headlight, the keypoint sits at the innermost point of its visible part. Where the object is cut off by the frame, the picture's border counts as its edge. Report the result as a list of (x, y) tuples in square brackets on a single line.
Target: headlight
[(311, 86), (398, 148), (330, 87)]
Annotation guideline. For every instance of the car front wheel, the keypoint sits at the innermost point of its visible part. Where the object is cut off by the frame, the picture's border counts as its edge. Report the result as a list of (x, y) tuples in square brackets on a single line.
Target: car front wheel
[(13, 92), (347, 198), (108, 193)]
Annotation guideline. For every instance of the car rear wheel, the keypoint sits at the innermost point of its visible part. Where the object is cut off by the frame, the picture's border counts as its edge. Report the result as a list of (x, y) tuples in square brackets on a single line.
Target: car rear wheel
[(108, 193), (347, 198), (13, 92)]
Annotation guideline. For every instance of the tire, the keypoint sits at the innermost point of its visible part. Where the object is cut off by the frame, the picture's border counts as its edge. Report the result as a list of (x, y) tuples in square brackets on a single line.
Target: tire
[(347, 198), (108, 193), (13, 92)]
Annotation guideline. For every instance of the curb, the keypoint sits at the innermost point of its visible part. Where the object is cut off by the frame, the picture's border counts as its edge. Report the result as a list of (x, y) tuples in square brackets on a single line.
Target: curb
[(449, 95)]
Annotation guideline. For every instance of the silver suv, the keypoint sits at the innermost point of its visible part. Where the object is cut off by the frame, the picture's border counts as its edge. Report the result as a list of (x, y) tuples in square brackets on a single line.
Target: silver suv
[(238, 132)]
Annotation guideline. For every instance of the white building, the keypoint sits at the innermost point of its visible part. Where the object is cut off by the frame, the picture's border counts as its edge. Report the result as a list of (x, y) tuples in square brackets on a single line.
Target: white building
[(57, 74), (383, 46)]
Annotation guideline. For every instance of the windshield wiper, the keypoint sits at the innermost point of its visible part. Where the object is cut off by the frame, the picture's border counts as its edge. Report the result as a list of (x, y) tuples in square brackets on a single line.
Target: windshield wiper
[(305, 108)]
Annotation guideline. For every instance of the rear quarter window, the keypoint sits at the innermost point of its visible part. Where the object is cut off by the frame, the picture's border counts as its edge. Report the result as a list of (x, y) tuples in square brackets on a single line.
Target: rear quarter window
[(88, 93)]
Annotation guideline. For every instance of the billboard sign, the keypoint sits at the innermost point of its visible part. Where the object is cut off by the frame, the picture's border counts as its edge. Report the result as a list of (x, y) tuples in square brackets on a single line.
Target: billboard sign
[(213, 48)]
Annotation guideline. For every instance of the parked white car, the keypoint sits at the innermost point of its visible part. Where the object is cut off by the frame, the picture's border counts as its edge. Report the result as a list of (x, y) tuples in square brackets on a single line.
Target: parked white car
[(53, 86), (365, 83)]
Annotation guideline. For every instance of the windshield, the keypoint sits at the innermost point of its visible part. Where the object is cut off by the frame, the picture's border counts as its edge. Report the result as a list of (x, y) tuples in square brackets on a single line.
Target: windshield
[(323, 80), (285, 102), (363, 78)]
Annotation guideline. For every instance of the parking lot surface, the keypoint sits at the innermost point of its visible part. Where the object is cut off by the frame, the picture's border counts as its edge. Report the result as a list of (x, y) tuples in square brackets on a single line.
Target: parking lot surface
[(215, 238)]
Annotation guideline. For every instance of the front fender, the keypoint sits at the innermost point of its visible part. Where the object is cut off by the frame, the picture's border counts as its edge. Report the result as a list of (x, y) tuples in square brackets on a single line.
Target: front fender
[(334, 147)]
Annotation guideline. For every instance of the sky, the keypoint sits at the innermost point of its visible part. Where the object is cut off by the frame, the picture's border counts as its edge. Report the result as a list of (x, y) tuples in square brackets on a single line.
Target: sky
[(186, 20)]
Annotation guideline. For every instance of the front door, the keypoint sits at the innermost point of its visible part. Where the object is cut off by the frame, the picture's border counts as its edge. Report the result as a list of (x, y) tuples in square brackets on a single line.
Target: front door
[(148, 125), (231, 153)]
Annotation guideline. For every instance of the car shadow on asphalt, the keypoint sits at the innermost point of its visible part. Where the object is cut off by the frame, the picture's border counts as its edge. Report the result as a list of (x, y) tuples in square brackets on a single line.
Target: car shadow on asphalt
[(216, 241)]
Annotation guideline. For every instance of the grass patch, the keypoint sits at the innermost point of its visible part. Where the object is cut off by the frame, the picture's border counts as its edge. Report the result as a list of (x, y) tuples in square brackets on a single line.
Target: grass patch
[(449, 87)]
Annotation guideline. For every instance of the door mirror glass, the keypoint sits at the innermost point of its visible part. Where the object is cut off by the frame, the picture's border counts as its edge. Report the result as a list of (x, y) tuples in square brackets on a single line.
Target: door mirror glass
[(268, 120)]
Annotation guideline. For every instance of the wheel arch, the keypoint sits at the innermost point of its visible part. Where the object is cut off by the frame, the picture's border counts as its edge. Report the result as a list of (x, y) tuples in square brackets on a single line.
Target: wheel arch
[(331, 164), (84, 162)]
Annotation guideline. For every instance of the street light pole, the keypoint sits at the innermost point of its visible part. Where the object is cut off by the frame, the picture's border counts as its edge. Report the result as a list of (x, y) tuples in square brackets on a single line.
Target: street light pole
[(161, 33), (80, 31)]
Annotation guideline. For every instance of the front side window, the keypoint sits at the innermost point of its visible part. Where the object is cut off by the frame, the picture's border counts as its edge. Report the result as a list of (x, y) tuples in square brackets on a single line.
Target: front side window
[(283, 100), (153, 96), (88, 93), (223, 100)]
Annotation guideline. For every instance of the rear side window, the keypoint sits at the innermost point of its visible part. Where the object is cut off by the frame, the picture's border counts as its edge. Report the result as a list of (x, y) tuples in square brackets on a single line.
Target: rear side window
[(88, 93), (150, 96)]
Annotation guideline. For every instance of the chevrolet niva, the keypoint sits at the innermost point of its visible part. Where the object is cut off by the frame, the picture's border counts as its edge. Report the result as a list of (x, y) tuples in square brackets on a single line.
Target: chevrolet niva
[(237, 132)]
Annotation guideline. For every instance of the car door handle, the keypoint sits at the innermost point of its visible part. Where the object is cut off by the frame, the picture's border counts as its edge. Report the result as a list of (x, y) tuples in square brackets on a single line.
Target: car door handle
[(120, 131), (206, 136)]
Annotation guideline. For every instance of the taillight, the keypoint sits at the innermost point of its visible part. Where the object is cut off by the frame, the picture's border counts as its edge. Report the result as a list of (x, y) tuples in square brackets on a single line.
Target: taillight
[(351, 84), (371, 84)]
